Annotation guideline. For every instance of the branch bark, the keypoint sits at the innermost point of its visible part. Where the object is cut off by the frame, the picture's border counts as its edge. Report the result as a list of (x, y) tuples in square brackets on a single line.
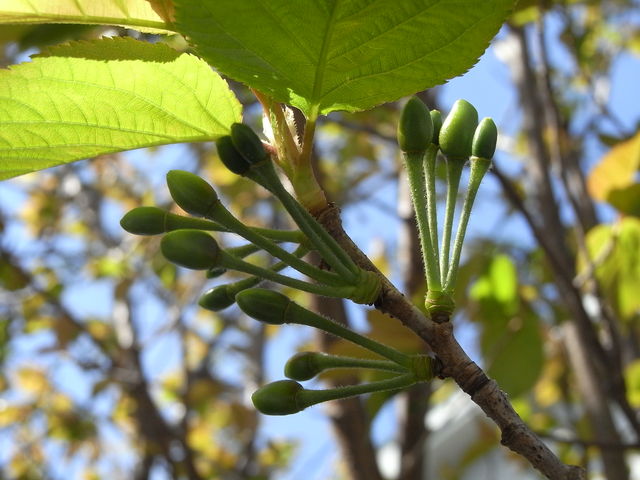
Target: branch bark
[(457, 364)]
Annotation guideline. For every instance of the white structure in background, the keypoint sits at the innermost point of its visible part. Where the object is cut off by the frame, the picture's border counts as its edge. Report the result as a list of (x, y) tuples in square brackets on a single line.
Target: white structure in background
[(457, 428)]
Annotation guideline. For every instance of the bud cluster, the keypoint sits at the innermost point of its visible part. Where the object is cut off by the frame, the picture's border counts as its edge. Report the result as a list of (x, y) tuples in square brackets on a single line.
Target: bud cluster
[(460, 138), (187, 242)]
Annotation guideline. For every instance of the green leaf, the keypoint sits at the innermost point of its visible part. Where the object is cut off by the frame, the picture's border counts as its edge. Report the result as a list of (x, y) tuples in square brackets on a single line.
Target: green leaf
[(326, 55), (137, 14), (632, 381), (614, 250), (510, 341), (497, 289), (90, 98), (514, 352)]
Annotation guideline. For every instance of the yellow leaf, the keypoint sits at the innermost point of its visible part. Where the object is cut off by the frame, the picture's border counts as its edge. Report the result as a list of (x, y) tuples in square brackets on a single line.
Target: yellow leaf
[(32, 380), (12, 414), (616, 170)]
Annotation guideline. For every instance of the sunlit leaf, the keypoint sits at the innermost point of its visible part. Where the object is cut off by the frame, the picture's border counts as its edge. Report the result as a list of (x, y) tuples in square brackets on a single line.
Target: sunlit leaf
[(90, 98), (632, 381), (328, 55), (613, 179), (32, 380), (615, 259), (164, 8), (497, 289), (136, 14)]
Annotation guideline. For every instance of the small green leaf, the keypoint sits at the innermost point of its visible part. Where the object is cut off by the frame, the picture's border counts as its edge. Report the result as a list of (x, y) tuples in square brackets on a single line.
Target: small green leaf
[(327, 55), (90, 98), (136, 14)]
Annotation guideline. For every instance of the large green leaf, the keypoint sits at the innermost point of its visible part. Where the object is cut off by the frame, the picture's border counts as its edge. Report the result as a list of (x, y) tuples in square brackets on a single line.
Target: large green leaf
[(137, 14), (89, 98), (326, 55), (510, 339)]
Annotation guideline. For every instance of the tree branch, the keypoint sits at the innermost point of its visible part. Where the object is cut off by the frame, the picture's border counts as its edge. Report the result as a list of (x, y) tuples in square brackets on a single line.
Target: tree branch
[(457, 364)]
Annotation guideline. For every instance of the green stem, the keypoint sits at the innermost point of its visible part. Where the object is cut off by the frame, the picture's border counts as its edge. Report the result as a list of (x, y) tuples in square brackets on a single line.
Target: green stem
[(432, 200), (327, 362), (300, 315), (479, 167), (454, 171), (413, 164), (245, 283), (326, 245), (243, 250), (230, 290), (284, 236), (223, 216), (233, 263), (307, 143), (305, 398)]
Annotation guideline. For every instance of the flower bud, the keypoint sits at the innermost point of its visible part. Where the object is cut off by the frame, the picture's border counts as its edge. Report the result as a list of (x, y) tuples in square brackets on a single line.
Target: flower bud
[(457, 130), (230, 156), (302, 366), (485, 139), (415, 128), (154, 220), (264, 305), (216, 299), (278, 398), (144, 221), (192, 249), (247, 143), (192, 193), (436, 119)]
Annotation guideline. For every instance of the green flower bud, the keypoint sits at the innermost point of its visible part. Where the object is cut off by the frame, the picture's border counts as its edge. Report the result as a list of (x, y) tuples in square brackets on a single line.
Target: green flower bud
[(216, 299), (302, 366), (457, 130), (144, 221), (415, 128), (485, 139), (264, 305), (278, 398), (248, 143), (154, 220), (436, 119), (192, 249), (192, 193), (230, 156)]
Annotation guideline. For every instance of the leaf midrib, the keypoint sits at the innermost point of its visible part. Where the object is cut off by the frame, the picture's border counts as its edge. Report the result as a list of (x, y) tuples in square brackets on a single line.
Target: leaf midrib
[(324, 50)]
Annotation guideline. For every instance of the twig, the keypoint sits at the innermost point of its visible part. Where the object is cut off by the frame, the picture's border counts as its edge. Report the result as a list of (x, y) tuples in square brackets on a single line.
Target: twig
[(457, 365)]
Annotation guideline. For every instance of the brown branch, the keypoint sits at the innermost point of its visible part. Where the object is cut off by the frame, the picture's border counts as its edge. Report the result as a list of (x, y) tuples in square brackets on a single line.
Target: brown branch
[(538, 170), (457, 364)]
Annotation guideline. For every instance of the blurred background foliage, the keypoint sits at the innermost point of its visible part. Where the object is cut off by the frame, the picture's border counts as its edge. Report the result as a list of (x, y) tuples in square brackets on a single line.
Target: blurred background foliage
[(110, 370)]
